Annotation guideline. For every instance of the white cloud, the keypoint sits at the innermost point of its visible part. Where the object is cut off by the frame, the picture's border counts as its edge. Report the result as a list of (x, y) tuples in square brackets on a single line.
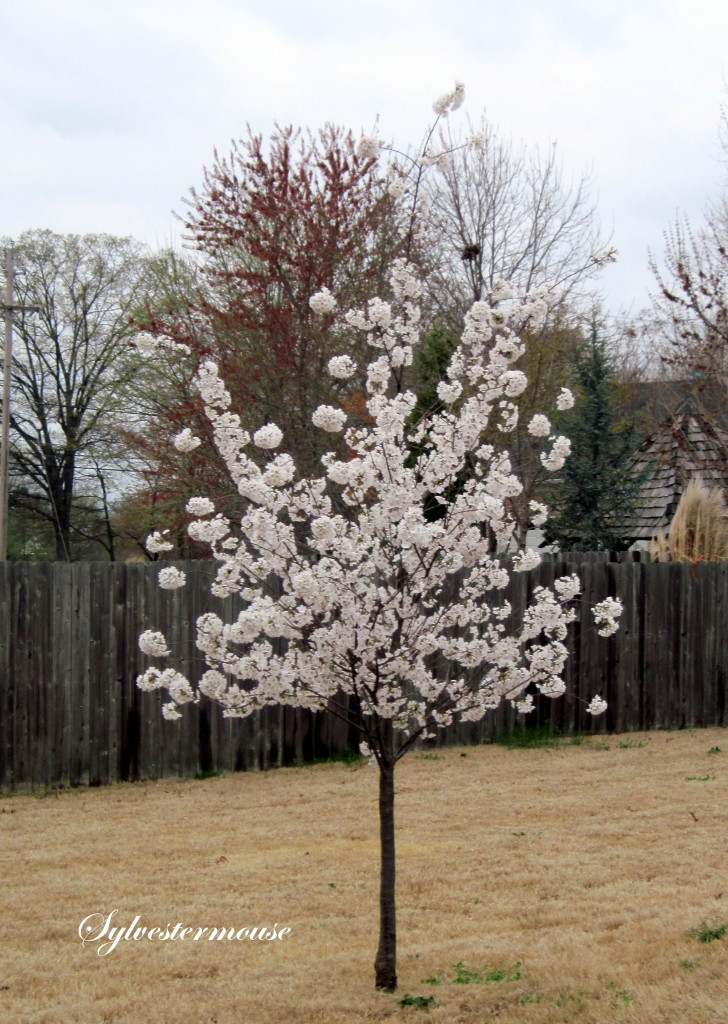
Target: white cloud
[(112, 110)]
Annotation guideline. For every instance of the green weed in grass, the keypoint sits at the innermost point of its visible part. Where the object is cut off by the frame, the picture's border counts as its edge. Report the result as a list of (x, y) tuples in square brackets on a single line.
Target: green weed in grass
[(707, 932), (569, 999), (422, 1001), (529, 737), (540, 736), (619, 997), (350, 757), (577, 740), (465, 977), (699, 778)]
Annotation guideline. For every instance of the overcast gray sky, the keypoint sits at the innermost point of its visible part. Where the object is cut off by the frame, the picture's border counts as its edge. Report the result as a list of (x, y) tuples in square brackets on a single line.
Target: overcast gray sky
[(110, 110)]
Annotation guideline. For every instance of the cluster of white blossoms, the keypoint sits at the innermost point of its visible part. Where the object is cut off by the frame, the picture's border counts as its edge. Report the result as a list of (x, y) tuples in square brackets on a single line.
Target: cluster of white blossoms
[(525, 560), (564, 400), (322, 302), (515, 383), (568, 587), (326, 417), (200, 507), (171, 578), (555, 459), (153, 643), (596, 706), (606, 614), (449, 393), (502, 291), (397, 186), (156, 542), (540, 513), (179, 689), (186, 441), (539, 426), (367, 598), (360, 601), (434, 156), (369, 148), (342, 367), (269, 436), (449, 101)]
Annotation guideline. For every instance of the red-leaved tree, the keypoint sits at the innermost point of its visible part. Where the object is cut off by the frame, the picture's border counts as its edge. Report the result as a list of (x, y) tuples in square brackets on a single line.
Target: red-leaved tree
[(272, 225)]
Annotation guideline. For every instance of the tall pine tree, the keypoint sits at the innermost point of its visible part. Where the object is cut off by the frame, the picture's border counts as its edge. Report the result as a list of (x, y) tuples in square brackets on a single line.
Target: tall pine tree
[(592, 503)]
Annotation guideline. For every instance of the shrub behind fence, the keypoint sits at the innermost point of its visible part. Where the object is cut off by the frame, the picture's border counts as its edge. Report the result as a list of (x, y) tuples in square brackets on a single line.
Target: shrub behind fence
[(71, 713)]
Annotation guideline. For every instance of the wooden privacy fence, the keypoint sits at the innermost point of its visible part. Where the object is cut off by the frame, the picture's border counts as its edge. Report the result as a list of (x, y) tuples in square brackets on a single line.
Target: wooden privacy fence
[(71, 713)]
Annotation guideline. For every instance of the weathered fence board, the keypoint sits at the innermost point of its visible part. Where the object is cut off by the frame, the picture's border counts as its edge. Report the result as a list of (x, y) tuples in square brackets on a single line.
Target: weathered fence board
[(71, 713)]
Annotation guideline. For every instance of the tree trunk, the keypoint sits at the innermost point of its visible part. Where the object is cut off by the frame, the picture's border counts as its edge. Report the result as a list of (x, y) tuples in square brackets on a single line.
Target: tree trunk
[(385, 965), (59, 478)]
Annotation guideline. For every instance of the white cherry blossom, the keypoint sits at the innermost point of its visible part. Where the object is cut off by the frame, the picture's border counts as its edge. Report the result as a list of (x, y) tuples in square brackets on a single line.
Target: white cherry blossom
[(596, 706), (449, 101), (200, 507), (342, 367), (186, 441), (153, 642), (369, 148), (539, 426), (269, 436), (156, 542), (171, 578), (565, 399), (322, 302), (326, 417), (540, 513)]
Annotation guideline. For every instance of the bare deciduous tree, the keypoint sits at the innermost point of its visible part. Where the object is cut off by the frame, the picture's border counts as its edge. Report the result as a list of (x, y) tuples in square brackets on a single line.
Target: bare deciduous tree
[(71, 363), (506, 213), (690, 309)]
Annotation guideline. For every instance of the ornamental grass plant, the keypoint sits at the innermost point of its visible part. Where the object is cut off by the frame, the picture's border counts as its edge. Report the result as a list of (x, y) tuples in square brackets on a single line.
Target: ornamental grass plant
[(699, 529)]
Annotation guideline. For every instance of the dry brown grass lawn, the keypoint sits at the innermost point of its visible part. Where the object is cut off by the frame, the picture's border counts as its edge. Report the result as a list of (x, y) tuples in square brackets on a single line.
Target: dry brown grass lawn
[(586, 864)]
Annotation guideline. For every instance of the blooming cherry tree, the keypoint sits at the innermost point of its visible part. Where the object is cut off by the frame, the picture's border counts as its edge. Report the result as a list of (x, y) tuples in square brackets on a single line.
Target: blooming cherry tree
[(344, 612)]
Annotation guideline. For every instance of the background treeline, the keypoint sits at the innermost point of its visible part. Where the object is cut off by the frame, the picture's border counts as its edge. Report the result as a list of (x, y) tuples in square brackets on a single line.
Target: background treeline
[(93, 468)]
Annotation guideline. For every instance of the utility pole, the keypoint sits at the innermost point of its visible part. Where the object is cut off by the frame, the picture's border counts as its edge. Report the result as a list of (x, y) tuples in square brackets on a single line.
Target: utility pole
[(9, 308)]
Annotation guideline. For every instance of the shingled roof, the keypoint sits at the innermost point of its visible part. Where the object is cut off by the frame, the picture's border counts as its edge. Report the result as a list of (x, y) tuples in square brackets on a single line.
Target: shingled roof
[(686, 446)]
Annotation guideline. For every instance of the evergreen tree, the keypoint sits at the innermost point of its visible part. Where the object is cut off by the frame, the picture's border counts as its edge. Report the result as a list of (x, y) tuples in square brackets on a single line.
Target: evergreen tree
[(592, 504), (430, 365)]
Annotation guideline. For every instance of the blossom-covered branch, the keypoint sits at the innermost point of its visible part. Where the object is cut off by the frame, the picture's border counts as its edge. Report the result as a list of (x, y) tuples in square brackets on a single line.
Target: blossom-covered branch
[(365, 599)]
